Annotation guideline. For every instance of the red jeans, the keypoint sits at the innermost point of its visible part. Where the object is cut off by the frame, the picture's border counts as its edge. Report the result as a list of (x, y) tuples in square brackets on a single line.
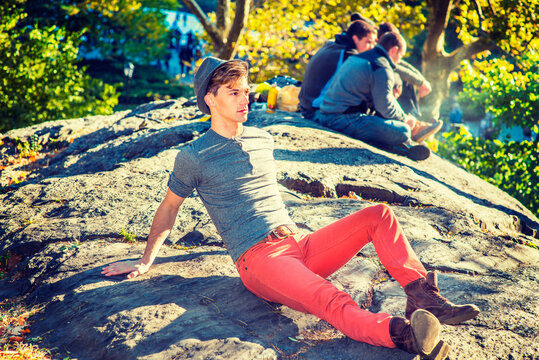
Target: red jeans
[(292, 271)]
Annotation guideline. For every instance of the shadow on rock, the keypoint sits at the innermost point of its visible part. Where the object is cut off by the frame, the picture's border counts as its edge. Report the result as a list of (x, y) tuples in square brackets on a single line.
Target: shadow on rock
[(88, 154), (130, 319)]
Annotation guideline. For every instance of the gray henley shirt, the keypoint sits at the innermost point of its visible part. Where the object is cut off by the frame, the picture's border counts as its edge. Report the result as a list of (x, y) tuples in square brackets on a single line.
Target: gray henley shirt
[(236, 181)]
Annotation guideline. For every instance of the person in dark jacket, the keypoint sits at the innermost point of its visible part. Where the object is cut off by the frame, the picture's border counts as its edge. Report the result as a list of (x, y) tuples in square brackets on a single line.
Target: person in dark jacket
[(360, 101), (360, 36)]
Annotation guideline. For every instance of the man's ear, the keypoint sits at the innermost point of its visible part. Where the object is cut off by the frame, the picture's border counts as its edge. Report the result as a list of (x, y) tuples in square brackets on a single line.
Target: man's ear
[(209, 99), (394, 52), (355, 39)]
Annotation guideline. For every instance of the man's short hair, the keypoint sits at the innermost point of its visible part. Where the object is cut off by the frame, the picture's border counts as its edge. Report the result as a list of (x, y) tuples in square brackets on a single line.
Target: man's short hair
[(360, 29), (391, 39), (357, 16), (228, 73), (386, 27)]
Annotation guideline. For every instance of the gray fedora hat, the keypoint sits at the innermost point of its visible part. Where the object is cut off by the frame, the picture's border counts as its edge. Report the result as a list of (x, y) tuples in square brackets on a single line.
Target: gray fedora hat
[(202, 79)]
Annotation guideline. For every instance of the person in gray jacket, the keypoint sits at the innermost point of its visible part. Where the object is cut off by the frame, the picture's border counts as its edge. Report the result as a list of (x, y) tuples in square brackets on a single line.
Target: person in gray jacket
[(359, 37), (412, 79), (360, 102)]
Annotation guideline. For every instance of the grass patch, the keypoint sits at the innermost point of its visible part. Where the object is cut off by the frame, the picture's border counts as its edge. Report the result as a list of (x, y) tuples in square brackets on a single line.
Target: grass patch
[(20, 157), (128, 237)]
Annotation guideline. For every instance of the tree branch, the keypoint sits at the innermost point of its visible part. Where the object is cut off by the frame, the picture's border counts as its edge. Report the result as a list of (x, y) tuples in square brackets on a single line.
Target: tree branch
[(466, 52), (479, 13), (240, 20), (223, 16), (492, 8), (212, 31), (494, 45), (438, 18)]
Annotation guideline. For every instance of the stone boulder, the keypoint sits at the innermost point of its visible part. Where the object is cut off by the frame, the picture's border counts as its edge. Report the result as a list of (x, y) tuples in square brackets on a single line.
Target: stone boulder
[(91, 202)]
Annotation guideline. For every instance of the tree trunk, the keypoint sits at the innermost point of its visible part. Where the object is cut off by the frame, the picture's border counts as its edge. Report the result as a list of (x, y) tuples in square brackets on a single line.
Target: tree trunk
[(223, 35), (436, 71), (438, 64)]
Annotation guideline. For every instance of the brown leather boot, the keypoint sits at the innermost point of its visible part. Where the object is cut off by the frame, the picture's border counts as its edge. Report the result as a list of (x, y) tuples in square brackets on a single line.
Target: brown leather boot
[(420, 335), (423, 293), (423, 130)]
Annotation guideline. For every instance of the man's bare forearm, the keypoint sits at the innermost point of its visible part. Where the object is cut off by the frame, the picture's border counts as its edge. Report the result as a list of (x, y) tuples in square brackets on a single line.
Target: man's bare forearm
[(162, 224)]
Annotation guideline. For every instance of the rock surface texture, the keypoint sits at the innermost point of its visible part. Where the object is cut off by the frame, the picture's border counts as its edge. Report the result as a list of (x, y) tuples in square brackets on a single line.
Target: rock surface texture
[(64, 222)]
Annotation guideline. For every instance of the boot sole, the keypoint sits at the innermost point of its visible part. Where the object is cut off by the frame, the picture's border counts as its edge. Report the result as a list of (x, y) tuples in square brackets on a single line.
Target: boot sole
[(426, 331), (460, 317), (418, 153), (440, 352)]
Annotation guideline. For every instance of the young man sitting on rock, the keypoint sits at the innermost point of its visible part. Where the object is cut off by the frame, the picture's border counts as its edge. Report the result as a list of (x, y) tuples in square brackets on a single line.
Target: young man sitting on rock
[(360, 102), (233, 169)]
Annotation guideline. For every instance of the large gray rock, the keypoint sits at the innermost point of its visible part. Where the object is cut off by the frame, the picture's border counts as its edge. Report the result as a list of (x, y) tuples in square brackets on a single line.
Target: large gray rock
[(64, 222)]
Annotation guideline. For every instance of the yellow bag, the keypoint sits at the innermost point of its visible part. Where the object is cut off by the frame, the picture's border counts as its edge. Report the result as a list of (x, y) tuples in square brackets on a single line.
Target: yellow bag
[(288, 99)]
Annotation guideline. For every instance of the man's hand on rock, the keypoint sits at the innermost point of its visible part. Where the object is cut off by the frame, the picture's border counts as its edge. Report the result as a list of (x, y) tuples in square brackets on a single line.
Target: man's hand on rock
[(132, 268)]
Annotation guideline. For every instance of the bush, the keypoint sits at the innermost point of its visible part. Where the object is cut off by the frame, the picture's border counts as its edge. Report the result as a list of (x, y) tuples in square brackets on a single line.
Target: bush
[(40, 79), (506, 89), (149, 82), (512, 166)]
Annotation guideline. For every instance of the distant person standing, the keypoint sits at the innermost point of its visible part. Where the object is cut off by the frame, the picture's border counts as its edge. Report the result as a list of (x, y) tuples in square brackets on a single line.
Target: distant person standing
[(186, 59), (191, 39), (455, 116), (168, 56), (486, 129), (176, 33), (184, 15)]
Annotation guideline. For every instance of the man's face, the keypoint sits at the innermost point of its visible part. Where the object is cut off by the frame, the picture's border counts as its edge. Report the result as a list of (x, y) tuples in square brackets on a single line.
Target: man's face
[(365, 43), (231, 104)]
